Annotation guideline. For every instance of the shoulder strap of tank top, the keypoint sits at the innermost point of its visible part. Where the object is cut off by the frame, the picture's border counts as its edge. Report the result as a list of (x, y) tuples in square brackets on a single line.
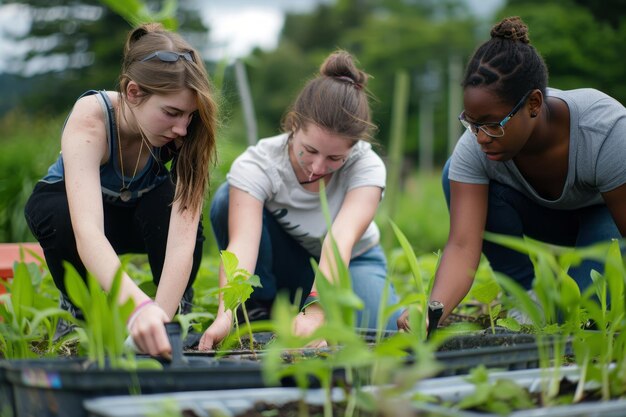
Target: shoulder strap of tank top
[(110, 120), (107, 106)]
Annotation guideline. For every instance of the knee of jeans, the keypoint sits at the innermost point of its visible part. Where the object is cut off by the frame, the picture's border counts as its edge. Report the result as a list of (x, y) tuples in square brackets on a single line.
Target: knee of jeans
[(597, 225), (368, 318)]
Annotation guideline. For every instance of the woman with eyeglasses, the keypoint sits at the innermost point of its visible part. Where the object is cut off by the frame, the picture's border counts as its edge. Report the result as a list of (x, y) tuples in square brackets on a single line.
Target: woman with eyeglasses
[(269, 213), (534, 161), (131, 178)]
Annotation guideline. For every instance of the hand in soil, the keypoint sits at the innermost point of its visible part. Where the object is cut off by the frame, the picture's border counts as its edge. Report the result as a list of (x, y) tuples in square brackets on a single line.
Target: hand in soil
[(403, 321), (148, 332), (216, 332), (307, 322)]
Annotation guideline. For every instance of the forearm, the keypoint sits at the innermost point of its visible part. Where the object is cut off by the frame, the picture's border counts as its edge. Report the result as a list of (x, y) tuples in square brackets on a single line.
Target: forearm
[(178, 263), (328, 264), (174, 280), (222, 283), (356, 214), (454, 277), (103, 263)]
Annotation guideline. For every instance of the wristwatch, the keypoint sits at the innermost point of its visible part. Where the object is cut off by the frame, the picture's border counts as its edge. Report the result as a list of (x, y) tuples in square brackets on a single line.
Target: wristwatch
[(435, 311)]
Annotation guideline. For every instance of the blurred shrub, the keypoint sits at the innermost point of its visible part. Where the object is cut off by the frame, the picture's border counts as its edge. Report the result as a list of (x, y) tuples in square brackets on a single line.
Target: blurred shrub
[(421, 213), (29, 146)]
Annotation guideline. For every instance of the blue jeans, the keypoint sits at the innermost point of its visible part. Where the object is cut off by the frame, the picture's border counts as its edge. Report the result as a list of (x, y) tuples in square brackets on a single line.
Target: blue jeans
[(509, 212), (284, 265)]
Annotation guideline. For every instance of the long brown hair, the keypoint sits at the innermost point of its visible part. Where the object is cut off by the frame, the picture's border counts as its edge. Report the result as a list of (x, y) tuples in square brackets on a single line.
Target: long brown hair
[(197, 153), (335, 100)]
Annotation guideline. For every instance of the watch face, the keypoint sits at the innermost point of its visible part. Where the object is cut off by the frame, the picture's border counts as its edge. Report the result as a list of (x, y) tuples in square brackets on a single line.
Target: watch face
[(435, 305)]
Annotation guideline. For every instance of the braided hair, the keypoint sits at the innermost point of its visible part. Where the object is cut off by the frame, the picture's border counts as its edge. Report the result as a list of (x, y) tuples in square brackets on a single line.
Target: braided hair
[(507, 63)]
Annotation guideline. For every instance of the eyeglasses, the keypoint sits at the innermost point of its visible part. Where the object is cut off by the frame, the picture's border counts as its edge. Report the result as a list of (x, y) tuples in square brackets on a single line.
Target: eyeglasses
[(494, 130), (169, 56)]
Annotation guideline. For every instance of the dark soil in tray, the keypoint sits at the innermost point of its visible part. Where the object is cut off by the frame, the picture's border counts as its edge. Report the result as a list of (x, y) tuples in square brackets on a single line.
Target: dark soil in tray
[(483, 340)]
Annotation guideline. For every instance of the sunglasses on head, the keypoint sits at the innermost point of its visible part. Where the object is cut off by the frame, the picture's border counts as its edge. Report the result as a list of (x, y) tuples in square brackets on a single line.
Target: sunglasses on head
[(169, 56)]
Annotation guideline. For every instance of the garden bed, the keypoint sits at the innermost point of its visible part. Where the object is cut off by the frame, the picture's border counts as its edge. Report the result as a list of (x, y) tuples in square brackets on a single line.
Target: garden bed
[(457, 355)]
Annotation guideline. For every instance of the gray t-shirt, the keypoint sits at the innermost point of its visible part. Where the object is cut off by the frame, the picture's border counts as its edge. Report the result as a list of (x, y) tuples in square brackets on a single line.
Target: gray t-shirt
[(265, 172), (596, 154)]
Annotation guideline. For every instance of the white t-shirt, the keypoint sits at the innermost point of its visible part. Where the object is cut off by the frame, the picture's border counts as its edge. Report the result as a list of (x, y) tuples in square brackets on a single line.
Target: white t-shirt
[(596, 154), (265, 172)]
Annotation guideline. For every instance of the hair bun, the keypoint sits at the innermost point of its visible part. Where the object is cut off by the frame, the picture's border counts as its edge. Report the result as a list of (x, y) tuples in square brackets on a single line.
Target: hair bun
[(142, 30), (340, 65), (511, 28)]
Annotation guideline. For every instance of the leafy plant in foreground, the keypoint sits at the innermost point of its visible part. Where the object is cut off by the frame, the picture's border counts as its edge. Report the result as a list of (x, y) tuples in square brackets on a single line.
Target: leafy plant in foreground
[(103, 331), (561, 312), (26, 316), (501, 396), (416, 302), (596, 350), (347, 350)]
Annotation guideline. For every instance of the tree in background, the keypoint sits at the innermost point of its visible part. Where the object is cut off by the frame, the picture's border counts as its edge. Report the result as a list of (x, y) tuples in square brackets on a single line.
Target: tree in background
[(582, 44), (76, 45), (385, 35)]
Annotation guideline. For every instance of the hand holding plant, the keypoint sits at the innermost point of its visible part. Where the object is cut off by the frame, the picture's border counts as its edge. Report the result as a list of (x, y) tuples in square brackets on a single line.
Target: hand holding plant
[(238, 289), (217, 331)]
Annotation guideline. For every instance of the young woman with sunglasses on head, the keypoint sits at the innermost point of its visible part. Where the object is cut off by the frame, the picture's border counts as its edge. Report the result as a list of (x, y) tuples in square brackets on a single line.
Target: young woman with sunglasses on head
[(110, 192), (534, 161), (269, 214)]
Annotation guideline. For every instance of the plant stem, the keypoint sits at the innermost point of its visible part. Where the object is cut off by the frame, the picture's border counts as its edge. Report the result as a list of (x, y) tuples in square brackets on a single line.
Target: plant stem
[(250, 335), (491, 320), (580, 388)]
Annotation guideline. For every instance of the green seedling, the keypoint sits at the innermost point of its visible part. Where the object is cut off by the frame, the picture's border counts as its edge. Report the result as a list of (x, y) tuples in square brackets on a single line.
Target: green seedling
[(486, 293), (561, 312), (192, 320), (416, 301), (552, 286), (238, 288), (598, 349), (502, 396), (27, 315), (347, 350), (103, 332)]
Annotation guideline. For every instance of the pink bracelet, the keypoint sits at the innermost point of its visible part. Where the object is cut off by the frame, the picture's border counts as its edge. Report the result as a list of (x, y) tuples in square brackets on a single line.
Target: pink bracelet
[(137, 309)]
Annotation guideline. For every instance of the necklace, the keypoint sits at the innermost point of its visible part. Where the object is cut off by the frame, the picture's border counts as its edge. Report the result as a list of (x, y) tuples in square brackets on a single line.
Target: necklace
[(125, 193)]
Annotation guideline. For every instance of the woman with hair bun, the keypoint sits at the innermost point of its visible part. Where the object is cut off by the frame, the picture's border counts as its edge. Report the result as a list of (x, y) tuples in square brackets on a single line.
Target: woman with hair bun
[(269, 214), (110, 191), (534, 161)]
